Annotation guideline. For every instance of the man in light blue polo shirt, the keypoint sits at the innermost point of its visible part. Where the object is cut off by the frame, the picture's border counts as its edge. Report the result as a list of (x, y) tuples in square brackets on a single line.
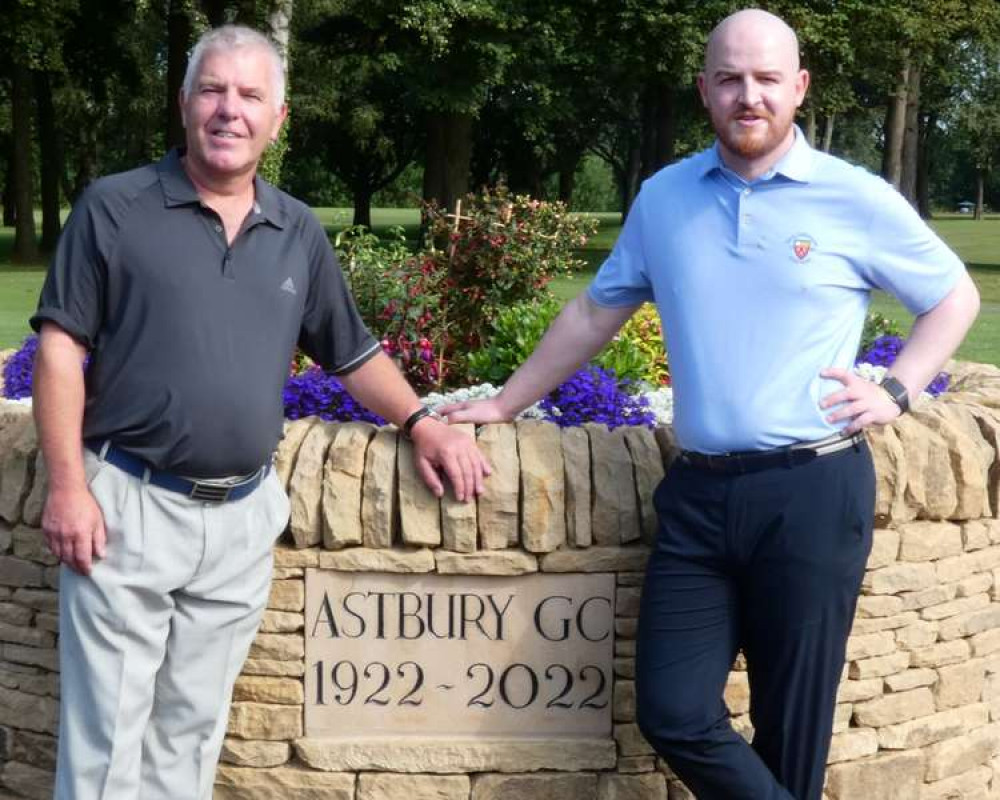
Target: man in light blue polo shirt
[(761, 254)]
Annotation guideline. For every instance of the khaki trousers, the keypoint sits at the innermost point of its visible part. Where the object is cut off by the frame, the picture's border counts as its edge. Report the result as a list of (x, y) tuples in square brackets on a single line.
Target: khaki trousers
[(153, 639)]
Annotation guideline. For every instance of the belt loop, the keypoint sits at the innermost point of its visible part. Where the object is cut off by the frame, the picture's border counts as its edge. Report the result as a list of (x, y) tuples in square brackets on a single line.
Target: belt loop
[(104, 450)]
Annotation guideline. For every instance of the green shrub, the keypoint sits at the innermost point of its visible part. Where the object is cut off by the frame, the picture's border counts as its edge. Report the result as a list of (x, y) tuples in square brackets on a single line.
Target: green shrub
[(513, 335), (637, 352)]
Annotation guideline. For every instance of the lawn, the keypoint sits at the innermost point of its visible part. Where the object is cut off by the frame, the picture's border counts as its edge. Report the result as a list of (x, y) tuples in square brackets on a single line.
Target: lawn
[(978, 243)]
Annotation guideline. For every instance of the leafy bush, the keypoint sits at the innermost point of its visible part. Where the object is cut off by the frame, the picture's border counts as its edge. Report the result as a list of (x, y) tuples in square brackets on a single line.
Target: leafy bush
[(514, 334), (876, 326), (637, 353)]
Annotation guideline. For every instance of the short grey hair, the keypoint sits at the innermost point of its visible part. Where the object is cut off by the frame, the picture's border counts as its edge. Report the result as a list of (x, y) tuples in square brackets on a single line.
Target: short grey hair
[(232, 37)]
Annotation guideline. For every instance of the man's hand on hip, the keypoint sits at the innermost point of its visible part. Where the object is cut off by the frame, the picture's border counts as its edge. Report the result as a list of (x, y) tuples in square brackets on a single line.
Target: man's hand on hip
[(74, 528), (861, 401), (440, 449)]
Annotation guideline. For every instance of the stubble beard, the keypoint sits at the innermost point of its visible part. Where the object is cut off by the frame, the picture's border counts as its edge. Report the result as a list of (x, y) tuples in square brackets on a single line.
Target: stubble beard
[(754, 142)]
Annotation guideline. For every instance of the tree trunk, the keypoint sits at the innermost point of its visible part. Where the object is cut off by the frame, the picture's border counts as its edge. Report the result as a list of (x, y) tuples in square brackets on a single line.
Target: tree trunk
[(980, 184), (911, 139), (178, 42), (8, 191), (25, 246), (362, 206), (892, 156), (279, 24), (928, 125), (811, 126), (828, 131), (50, 153), (449, 152), (567, 181), (659, 129), (631, 179)]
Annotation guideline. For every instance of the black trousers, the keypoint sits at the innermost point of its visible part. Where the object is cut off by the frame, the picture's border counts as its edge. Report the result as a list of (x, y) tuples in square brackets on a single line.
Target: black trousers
[(769, 563)]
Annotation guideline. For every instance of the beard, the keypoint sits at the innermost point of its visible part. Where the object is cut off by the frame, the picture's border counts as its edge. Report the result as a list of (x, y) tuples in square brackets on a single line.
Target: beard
[(754, 142)]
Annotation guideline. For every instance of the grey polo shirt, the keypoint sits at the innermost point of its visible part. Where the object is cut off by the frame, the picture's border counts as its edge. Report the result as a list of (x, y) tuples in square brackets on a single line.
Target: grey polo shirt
[(190, 338)]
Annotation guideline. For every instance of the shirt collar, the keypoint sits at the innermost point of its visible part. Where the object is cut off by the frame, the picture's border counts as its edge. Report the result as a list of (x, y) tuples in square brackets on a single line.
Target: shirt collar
[(178, 190), (796, 164)]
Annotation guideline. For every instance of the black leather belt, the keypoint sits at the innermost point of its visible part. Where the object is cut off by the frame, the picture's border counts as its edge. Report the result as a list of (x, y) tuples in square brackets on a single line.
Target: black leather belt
[(754, 460), (207, 491)]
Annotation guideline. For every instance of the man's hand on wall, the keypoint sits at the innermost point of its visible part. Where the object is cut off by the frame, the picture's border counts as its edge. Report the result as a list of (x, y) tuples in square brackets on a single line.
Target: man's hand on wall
[(438, 449)]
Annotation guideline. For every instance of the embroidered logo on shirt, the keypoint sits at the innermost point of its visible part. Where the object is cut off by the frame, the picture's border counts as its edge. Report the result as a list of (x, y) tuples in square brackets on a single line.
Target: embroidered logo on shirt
[(802, 246), (288, 286)]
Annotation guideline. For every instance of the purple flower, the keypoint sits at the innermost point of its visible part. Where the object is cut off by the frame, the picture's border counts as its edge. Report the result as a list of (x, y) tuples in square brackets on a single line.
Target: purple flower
[(17, 370), (314, 392), (883, 353), (596, 395)]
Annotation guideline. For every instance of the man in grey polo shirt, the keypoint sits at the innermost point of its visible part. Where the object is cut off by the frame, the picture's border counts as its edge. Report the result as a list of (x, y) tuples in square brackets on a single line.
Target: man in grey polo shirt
[(761, 254), (189, 283)]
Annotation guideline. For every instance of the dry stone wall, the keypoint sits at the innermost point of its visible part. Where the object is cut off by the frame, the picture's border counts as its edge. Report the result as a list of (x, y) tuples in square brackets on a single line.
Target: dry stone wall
[(918, 715)]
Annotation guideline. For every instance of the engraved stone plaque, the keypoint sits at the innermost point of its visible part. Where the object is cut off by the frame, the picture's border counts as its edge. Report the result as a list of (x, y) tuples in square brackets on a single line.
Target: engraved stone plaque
[(455, 655)]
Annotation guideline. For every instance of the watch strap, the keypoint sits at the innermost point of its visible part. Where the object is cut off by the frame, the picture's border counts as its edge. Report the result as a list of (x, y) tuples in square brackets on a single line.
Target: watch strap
[(897, 392)]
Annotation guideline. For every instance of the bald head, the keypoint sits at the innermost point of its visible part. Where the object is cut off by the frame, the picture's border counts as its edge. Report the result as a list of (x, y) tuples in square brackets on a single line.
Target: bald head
[(754, 28)]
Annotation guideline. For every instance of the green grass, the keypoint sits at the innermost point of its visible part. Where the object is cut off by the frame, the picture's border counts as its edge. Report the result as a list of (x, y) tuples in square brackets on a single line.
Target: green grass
[(978, 243)]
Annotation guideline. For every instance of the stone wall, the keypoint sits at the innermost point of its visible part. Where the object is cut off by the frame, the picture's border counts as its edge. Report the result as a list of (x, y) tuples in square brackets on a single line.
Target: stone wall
[(920, 698)]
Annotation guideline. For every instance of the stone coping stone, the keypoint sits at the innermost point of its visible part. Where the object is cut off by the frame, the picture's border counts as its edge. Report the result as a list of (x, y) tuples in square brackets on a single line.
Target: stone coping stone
[(455, 756)]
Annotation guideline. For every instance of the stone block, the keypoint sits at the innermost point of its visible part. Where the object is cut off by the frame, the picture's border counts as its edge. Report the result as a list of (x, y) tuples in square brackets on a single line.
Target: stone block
[(870, 645), (13, 614), (869, 625), (627, 601), (985, 643), (543, 487), (941, 654), (18, 449), (278, 647), (615, 506), (962, 605), (961, 754), (624, 701), (930, 484), (37, 749), (419, 509), (364, 559), (379, 491), (976, 534), (576, 463), (842, 717), (244, 783), (971, 785), (956, 568), (889, 457), (343, 475), (27, 711), (265, 721), (34, 503), (32, 637), (279, 691), (929, 541), (288, 557), (885, 548), (596, 559), (28, 781), (636, 764), (737, 693), (287, 596), (486, 562), (29, 544), (17, 572), (649, 471), (970, 623), (975, 584), (879, 666), (277, 668), (895, 776), (382, 786), (894, 708), (855, 691), (874, 606), (630, 741), (305, 486), (915, 601), (910, 679), (652, 786), (917, 733), (960, 684), (498, 504), (548, 786), (852, 745), (448, 756), (900, 577), (245, 753), (30, 656), (966, 458), (38, 599), (288, 448)]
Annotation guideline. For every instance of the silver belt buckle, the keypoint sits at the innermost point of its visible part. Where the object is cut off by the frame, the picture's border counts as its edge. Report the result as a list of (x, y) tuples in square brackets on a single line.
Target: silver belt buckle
[(209, 493)]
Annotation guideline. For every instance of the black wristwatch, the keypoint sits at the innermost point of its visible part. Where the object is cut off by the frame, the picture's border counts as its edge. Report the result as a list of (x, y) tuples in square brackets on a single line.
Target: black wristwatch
[(897, 392)]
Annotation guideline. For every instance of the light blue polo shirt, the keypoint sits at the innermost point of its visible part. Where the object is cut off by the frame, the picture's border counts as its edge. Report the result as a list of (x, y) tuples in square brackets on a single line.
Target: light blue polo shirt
[(761, 285)]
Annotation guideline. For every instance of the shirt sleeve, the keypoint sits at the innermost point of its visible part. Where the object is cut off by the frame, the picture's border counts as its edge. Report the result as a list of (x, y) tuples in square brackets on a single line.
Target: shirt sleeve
[(73, 292), (332, 331), (623, 279), (905, 257)]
